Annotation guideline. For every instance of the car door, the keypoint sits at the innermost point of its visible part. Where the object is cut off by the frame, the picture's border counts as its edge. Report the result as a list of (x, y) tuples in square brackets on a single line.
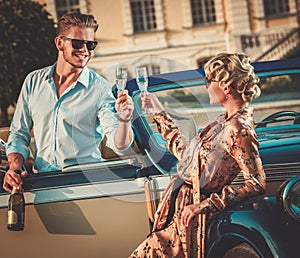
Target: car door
[(97, 210)]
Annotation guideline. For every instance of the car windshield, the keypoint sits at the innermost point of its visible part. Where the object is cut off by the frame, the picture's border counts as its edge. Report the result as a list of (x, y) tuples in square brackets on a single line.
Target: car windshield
[(278, 93)]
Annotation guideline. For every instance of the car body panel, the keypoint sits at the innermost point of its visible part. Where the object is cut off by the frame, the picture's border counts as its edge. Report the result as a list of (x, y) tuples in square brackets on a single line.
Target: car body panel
[(255, 219), (90, 227)]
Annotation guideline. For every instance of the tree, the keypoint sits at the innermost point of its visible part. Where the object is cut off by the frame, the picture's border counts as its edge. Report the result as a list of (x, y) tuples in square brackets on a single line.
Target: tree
[(26, 43)]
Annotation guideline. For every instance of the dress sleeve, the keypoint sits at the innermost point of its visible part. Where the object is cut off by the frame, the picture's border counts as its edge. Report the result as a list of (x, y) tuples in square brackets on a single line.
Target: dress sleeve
[(244, 150), (171, 133)]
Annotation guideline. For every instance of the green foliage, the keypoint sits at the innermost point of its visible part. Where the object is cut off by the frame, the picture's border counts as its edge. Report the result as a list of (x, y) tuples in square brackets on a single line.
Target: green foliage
[(279, 87), (26, 43), (276, 84)]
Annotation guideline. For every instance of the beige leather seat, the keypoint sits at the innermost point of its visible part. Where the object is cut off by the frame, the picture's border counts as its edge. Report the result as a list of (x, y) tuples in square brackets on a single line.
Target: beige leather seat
[(4, 133)]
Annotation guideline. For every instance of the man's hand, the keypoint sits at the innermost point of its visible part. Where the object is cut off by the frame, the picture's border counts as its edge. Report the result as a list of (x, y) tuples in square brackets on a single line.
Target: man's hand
[(124, 106), (12, 178)]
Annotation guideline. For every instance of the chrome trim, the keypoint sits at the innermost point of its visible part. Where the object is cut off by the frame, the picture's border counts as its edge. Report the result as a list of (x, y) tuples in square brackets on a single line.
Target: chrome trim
[(100, 165), (152, 197), (121, 189), (276, 172), (287, 196), (99, 190)]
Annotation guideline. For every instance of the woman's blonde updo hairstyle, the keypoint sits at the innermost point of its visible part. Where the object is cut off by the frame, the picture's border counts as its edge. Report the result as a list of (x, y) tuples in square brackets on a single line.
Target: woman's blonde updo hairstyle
[(234, 70)]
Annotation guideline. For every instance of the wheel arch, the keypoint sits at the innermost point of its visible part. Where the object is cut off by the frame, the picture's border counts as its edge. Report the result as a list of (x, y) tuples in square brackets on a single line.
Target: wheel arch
[(228, 241)]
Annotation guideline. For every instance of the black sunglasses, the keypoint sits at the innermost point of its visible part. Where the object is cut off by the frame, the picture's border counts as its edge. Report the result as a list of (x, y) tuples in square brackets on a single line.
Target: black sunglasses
[(208, 81), (78, 43)]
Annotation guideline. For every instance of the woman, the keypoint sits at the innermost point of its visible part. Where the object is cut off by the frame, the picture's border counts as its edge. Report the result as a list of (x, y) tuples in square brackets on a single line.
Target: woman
[(208, 164)]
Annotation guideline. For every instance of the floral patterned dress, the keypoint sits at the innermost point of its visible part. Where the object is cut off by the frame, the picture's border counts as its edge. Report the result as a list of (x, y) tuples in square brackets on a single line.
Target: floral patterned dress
[(206, 168)]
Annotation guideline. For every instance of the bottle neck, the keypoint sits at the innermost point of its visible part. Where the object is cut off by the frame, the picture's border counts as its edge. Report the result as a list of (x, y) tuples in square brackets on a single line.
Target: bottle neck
[(15, 190)]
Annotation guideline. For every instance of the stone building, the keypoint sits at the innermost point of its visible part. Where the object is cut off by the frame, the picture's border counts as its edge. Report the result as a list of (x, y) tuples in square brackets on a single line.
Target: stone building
[(168, 35)]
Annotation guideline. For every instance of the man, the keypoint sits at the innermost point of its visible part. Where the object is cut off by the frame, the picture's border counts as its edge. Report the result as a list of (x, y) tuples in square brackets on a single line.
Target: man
[(69, 107)]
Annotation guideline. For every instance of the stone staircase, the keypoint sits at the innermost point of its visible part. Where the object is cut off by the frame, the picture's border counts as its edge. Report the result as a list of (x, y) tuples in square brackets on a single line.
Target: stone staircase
[(272, 46), (285, 47)]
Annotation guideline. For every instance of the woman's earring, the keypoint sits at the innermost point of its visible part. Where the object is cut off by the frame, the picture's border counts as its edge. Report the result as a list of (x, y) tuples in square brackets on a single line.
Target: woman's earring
[(226, 92)]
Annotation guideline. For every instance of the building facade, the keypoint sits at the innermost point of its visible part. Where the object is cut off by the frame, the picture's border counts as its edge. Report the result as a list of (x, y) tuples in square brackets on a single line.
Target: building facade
[(169, 35)]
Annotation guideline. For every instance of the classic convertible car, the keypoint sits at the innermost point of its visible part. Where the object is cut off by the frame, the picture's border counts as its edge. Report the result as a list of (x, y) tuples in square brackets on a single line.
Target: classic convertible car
[(106, 209)]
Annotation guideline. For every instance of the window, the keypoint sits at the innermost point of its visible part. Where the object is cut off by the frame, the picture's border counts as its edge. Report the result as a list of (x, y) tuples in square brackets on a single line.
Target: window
[(64, 6), (152, 69), (276, 7), (203, 11), (143, 15)]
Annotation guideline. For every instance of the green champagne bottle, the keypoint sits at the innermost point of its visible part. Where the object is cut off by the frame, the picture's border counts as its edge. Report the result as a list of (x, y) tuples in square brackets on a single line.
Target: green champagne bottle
[(16, 210)]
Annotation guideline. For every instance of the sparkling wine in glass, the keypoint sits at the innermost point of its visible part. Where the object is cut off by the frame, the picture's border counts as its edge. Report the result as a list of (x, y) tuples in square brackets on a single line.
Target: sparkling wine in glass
[(121, 77), (142, 81)]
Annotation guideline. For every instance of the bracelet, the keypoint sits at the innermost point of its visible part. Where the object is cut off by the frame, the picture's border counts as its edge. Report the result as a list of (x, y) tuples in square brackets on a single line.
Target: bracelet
[(124, 121), (163, 113)]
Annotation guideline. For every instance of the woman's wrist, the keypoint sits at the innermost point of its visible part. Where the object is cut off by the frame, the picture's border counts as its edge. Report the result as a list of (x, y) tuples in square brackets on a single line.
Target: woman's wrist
[(162, 112)]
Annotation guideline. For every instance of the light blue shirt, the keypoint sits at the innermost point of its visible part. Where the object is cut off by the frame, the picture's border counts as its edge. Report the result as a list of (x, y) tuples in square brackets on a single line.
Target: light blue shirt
[(69, 129)]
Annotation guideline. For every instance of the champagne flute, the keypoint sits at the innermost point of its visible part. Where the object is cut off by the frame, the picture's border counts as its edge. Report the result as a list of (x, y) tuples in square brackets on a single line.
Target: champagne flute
[(142, 81), (121, 79)]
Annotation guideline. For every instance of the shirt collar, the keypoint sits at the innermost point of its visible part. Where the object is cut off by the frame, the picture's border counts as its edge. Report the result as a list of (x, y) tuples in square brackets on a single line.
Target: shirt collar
[(83, 77), (51, 71)]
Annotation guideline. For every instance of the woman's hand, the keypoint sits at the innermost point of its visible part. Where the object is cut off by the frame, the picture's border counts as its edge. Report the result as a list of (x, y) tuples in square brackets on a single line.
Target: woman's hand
[(151, 102), (188, 213)]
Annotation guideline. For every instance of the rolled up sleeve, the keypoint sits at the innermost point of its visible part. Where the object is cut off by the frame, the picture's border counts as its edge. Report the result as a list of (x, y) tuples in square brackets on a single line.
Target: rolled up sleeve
[(21, 125)]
